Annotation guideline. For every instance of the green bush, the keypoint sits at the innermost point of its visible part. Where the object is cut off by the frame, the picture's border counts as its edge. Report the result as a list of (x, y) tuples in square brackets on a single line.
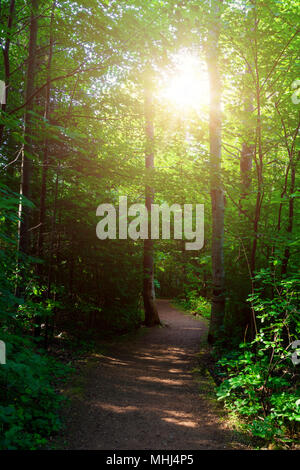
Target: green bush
[(196, 304), (29, 401), (260, 381)]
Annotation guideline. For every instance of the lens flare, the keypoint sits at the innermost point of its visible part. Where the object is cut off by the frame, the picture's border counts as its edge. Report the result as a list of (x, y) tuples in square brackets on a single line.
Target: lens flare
[(189, 87)]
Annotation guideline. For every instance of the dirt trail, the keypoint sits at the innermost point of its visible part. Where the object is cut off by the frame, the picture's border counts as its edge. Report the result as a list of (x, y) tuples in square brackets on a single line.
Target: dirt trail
[(142, 395)]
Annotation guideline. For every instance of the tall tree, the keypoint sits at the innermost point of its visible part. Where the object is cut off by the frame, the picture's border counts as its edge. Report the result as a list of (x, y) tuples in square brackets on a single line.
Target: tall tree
[(247, 145), (216, 189), (26, 170), (151, 313), (42, 214), (6, 59)]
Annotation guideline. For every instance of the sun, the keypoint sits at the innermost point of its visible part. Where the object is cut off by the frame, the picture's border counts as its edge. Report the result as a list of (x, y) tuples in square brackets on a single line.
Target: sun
[(188, 86)]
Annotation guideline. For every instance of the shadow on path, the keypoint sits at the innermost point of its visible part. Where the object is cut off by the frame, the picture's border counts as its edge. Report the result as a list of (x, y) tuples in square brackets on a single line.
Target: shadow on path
[(142, 395)]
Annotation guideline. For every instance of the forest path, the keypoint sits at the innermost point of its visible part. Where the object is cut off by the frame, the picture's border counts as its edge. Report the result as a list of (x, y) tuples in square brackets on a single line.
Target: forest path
[(143, 394)]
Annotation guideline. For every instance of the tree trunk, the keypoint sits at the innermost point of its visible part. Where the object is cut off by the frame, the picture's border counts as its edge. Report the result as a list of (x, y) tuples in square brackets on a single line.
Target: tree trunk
[(289, 228), (247, 147), (6, 60), (42, 215), (217, 194), (24, 212), (245, 316), (245, 168), (258, 154), (151, 313), (50, 267)]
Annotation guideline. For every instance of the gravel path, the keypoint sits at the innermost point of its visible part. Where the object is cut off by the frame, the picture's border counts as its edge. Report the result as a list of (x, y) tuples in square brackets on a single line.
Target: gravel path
[(142, 395)]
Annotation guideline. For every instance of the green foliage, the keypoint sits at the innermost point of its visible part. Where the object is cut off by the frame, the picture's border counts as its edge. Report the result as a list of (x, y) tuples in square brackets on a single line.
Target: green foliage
[(95, 140), (260, 381), (196, 304), (29, 399), (29, 396)]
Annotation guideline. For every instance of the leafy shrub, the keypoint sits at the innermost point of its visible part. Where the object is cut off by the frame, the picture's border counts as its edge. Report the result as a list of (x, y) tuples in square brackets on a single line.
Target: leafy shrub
[(260, 381), (196, 304), (29, 401)]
